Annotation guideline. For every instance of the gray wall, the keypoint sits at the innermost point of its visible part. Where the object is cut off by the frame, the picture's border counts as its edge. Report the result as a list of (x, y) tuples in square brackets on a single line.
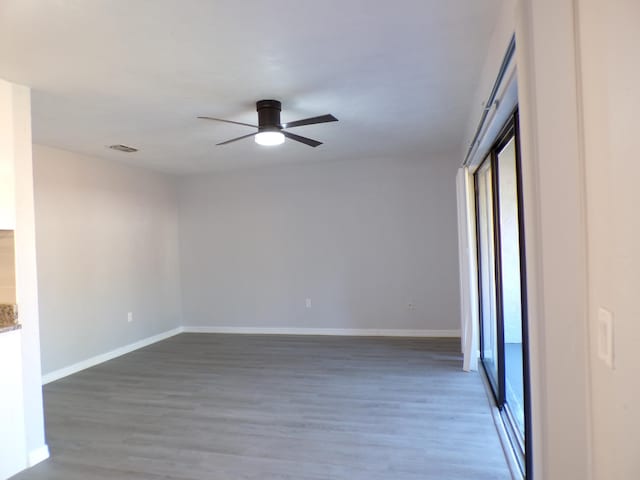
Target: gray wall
[(362, 239), (107, 244)]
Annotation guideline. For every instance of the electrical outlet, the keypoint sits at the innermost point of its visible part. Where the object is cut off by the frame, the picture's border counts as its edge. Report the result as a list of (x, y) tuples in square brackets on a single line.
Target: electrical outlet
[(130, 317), (307, 302), (605, 336)]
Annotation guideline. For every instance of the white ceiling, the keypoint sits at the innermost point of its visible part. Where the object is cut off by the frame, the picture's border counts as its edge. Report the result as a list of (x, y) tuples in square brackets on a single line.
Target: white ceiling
[(399, 75)]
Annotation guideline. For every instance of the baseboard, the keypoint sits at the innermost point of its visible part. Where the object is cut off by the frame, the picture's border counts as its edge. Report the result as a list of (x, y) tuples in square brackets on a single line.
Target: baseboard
[(90, 362), (353, 332), (38, 455)]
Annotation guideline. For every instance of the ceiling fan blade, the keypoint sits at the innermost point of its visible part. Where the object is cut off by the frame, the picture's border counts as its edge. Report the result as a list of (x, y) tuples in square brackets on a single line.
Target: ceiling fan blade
[(229, 121), (305, 140), (238, 138), (310, 121)]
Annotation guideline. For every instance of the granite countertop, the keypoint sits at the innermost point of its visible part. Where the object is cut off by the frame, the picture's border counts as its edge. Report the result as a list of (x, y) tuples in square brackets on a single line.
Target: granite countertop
[(8, 328), (8, 318)]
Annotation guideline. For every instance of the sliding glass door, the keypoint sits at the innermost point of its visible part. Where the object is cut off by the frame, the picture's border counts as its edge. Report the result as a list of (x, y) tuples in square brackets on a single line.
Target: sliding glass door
[(503, 327), (510, 282), (486, 258)]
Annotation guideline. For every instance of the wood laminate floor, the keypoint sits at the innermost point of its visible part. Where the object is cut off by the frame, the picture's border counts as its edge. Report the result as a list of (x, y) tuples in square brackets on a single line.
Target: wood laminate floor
[(218, 407)]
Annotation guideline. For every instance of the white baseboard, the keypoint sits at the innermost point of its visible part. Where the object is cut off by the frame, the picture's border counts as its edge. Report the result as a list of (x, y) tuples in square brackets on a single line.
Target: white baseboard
[(354, 332), (38, 455), (103, 357)]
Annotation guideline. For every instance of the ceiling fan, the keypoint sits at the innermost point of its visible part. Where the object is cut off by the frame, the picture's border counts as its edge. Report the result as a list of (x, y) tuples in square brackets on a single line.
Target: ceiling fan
[(270, 130)]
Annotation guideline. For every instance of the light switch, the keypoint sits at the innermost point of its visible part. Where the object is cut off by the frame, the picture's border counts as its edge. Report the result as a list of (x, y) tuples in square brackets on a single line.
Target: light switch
[(605, 336)]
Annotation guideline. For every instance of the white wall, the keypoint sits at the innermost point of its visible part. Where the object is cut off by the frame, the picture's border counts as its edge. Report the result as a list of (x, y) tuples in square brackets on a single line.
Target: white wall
[(27, 275), (362, 239), (610, 80), (21, 395), (107, 244), (555, 234), (579, 96)]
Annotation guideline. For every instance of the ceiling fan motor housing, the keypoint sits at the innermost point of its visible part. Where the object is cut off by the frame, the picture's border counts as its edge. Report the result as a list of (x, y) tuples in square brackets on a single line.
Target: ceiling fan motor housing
[(269, 123), (269, 115)]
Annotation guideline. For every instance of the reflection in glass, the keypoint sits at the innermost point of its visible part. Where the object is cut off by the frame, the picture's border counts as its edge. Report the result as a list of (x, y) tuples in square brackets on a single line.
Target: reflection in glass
[(488, 318), (510, 282)]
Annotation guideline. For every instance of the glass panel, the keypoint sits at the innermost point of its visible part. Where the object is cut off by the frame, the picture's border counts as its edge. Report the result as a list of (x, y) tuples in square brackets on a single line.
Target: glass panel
[(488, 318), (510, 282)]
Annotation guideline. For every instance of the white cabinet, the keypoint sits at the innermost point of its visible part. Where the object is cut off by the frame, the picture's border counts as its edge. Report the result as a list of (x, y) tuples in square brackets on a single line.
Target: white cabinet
[(13, 453)]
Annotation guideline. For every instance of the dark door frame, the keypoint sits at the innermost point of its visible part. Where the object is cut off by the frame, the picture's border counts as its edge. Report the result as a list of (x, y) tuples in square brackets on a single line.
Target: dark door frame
[(510, 130)]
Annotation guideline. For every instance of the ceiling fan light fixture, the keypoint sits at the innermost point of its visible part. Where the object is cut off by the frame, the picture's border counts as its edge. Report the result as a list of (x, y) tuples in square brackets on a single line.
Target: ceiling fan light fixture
[(271, 131), (269, 138)]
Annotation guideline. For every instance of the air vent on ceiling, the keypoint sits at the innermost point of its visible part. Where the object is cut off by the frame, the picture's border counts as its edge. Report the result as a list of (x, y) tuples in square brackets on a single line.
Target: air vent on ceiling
[(123, 148)]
